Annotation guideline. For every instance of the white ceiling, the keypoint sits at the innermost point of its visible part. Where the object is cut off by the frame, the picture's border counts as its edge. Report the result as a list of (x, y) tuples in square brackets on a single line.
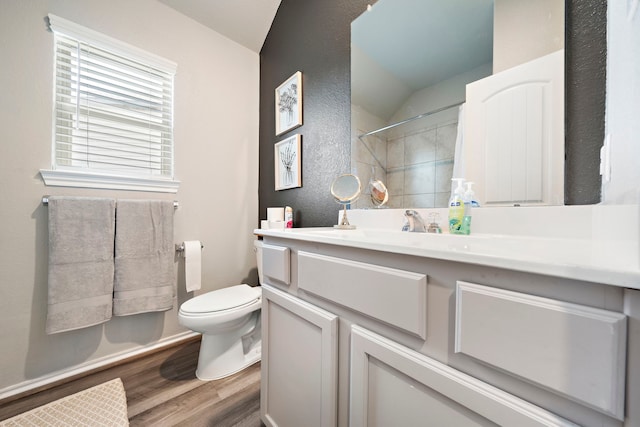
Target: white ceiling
[(246, 22)]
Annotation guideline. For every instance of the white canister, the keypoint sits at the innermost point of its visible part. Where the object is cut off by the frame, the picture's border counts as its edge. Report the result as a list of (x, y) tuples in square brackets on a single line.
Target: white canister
[(275, 214)]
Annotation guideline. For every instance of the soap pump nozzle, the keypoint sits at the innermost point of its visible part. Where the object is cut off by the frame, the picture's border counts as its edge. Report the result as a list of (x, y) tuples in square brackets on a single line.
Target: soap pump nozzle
[(470, 196), (459, 190)]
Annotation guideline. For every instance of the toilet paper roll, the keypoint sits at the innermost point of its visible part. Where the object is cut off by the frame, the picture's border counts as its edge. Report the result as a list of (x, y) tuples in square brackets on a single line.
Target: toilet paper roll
[(264, 224), (193, 265), (277, 225), (275, 214)]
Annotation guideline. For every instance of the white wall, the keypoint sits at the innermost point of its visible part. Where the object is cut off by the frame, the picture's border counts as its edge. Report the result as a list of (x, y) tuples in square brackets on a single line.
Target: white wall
[(373, 87), (447, 92), (524, 30), (623, 103), (216, 139)]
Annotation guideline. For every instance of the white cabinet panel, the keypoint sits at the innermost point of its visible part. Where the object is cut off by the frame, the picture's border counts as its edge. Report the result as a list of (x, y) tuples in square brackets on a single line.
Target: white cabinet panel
[(396, 297), (574, 350), (514, 134), (276, 262), (393, 385), (632, 310), (299, 362)]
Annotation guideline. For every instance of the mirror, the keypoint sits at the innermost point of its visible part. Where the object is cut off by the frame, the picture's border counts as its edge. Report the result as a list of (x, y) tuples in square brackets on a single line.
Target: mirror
[(345, 190), (379, 193), (410, 63)]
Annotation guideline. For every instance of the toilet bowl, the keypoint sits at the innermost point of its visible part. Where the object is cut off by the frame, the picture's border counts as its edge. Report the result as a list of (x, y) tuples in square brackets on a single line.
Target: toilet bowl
[(229, 321)]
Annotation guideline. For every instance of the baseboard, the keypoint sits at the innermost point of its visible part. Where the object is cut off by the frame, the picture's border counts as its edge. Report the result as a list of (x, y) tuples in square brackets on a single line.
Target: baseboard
[(59, 376)]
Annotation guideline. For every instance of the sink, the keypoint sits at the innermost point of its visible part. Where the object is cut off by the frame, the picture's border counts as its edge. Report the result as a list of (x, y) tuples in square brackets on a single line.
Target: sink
[(490, 249), (486, 245)]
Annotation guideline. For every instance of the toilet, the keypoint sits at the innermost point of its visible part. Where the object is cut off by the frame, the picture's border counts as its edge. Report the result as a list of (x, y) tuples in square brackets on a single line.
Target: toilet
[(229, 321)]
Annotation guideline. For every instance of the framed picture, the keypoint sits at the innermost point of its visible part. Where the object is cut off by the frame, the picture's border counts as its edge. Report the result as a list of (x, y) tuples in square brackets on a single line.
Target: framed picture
[(289, 104), (288, 163)]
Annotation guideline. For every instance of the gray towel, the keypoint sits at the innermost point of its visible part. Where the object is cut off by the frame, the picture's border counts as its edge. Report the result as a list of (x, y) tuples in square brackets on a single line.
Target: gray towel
[(144, 260), (81, 232)]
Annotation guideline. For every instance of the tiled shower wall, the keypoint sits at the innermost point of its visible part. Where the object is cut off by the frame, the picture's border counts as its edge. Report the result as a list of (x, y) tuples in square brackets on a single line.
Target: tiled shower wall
[(368, 159), (419, 164)]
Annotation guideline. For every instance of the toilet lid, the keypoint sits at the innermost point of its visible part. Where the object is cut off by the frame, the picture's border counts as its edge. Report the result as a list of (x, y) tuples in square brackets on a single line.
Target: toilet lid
[(222, 299)]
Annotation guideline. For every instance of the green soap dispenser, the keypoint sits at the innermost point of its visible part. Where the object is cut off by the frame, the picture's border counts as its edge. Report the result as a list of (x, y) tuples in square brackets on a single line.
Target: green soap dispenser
[(457, 209), (469, 202)]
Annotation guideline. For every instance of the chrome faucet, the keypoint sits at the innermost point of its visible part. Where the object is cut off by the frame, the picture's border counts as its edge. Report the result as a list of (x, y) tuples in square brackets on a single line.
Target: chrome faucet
[(415, 222)]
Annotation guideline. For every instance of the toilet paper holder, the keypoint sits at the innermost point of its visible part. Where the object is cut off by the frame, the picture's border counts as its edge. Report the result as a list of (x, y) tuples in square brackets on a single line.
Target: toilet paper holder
[(180, 248)]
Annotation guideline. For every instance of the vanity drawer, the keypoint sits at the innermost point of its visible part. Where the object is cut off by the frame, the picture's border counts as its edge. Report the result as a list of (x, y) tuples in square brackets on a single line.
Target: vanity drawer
[(276, 263), (396, 297), (574, 350)]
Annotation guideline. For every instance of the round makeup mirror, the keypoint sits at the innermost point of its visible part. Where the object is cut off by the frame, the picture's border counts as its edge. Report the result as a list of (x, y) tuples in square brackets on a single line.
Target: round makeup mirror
[(345, 189)]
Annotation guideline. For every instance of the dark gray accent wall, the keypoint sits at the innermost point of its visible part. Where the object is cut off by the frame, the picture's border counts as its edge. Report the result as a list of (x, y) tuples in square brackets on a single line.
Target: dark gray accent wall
[(313, 37), (586, 71)]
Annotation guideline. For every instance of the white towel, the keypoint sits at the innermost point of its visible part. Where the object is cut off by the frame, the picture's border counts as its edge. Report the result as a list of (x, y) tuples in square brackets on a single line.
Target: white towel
[(80, 286), (144, 260)]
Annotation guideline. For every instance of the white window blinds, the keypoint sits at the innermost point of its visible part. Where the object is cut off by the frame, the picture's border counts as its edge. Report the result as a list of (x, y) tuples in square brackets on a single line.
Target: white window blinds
[(113, 105)]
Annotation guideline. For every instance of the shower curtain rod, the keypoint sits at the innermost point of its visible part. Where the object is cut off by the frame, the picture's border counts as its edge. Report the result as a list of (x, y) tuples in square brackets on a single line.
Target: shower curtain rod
[(45, 201), (373, 132)]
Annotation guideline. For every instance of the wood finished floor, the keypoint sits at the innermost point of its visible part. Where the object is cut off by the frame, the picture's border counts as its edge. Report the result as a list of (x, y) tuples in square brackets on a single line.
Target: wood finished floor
[(162, 390)]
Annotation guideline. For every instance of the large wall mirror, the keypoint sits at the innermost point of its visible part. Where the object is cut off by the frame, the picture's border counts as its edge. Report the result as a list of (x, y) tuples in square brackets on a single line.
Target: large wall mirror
[(411, 62)]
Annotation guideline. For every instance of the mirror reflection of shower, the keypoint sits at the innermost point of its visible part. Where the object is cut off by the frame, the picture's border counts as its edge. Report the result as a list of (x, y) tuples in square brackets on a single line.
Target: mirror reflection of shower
[(406, 90), (371, 169), (414, 159), (398, 74)]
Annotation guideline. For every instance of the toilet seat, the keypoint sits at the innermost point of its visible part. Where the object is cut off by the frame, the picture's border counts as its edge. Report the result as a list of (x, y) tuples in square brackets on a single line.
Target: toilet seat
[(226, 299)]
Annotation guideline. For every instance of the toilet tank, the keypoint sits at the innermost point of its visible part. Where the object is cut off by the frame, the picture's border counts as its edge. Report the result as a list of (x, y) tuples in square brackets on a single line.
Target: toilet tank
[(258, 249)]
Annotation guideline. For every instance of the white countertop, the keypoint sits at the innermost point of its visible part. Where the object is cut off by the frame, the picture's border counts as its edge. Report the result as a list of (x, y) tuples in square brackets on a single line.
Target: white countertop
[(596, 257)]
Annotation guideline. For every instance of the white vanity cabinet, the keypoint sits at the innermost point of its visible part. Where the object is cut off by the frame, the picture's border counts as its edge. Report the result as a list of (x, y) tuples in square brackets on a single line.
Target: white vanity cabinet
[(363, 337)]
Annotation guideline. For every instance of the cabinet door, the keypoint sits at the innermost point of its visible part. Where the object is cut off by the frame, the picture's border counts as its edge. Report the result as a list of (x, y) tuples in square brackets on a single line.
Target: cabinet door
[(299, 362), (394, 385)]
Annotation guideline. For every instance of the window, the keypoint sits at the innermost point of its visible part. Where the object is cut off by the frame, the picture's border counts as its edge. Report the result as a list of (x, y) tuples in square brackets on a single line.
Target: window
[(113, 113)]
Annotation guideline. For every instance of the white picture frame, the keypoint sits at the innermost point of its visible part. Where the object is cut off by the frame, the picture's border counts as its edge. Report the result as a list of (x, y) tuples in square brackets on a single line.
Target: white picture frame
[(289, 104), (288, 163)]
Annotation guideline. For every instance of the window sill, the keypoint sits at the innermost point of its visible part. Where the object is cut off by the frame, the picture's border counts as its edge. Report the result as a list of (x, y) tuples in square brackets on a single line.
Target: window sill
[(68, 178)]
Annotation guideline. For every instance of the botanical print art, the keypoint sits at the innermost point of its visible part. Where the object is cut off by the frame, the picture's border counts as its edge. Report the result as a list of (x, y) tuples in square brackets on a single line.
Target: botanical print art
[(289, 104), (287, 163)]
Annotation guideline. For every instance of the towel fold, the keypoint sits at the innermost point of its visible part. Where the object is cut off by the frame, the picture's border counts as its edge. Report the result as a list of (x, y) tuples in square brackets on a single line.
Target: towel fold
[(80, 284), (144, 257)]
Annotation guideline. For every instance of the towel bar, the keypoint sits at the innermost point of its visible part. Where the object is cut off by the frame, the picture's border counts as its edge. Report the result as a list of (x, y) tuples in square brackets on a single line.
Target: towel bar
[(45, 201), (180, 248)]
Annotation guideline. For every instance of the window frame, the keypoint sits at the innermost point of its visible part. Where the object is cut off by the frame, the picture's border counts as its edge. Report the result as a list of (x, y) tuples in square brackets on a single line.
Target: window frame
[(103, 178)]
